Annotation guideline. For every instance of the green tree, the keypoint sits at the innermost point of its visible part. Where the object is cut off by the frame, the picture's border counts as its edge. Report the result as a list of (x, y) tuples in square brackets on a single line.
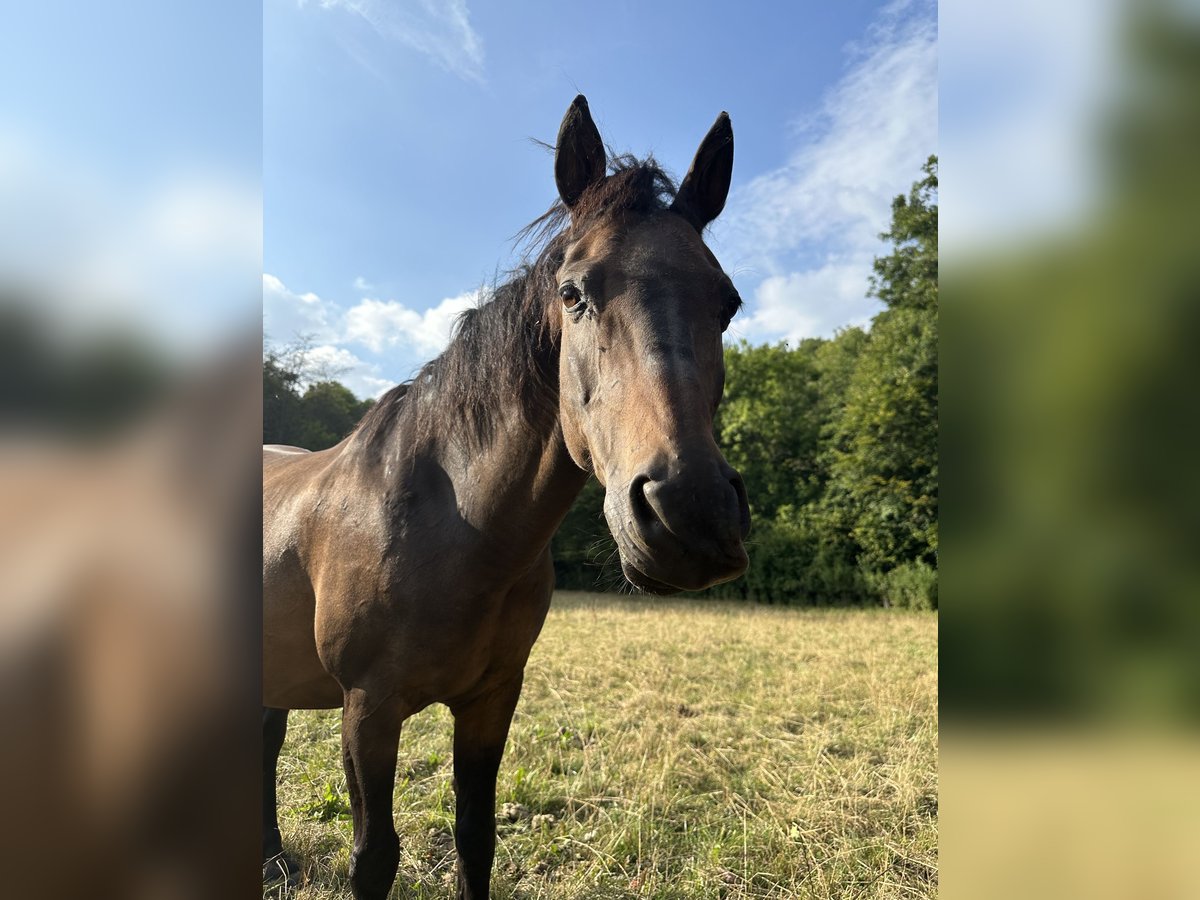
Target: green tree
[(884, 465), (768, 425), (317, 418), (328, 412), (835, 361), (883, 458), (281, 400), (907, 278)]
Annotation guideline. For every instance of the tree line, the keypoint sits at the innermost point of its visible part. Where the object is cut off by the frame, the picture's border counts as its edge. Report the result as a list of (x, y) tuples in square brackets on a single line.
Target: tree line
[(836, 440), (303, 404)]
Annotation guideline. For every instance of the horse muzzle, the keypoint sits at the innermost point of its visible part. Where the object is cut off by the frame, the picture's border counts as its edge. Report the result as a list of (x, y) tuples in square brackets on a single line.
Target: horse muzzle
[(680, 525)]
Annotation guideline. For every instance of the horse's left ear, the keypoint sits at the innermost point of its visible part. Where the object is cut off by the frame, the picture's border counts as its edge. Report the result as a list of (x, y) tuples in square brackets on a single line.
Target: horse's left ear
[(579, 157), (702, 195)]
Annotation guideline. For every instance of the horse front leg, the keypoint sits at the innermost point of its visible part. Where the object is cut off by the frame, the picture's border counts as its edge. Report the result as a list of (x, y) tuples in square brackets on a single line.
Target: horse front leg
[(370, 737), (277, 865), (480, 730)]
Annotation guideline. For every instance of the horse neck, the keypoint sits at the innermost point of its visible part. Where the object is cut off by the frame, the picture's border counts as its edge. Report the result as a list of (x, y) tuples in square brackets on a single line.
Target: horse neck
[(514, 486), (520, 484), (518, 481)]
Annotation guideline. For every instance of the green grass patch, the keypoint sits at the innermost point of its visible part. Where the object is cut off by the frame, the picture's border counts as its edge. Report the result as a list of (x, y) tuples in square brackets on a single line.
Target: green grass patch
[(671, 749)]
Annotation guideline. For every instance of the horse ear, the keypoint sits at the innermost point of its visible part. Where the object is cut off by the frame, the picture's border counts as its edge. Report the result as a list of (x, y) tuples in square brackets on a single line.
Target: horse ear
[(702, 194), (579, 158)]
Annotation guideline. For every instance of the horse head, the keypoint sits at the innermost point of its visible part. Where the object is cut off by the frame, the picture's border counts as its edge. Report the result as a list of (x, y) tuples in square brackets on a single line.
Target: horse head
[(643, 304)]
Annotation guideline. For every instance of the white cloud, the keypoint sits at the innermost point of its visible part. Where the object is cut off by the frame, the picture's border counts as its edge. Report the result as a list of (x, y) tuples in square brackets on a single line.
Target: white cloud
[(406, 336), (440, 29), (327, 361), (378, 324), (864, 145), (288, 315), (369, 385), (361, 284), (814, 303)]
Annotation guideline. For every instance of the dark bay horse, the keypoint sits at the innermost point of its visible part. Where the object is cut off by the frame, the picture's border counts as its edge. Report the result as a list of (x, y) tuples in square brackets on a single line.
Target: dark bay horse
[(410, 564)]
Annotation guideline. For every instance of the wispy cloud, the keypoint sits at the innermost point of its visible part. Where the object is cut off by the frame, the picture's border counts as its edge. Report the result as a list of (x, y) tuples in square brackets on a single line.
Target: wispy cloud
[(380, 327), (815, 302), (288, 315), (439, 29), (379, 324), (810, 228), (338, 363)]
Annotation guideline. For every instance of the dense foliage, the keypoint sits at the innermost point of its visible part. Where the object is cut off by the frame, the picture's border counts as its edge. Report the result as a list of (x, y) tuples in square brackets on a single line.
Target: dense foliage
[(318, 416), (837, 440)]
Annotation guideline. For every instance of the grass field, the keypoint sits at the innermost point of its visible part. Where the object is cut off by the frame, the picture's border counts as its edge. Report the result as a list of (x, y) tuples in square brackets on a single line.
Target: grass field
[(672, 749)]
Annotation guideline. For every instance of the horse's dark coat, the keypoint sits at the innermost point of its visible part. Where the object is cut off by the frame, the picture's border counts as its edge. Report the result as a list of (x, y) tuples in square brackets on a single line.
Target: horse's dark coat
[(410, 564)]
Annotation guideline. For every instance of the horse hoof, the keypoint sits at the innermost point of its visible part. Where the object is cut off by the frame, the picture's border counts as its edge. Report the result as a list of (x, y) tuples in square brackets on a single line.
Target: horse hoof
[(282, 871)]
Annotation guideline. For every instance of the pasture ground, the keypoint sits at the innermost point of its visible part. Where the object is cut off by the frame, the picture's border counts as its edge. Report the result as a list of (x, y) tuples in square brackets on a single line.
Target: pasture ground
[(671, 749)]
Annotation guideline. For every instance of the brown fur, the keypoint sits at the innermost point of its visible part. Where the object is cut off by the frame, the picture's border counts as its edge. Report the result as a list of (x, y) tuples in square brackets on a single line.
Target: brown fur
[(410, 564)]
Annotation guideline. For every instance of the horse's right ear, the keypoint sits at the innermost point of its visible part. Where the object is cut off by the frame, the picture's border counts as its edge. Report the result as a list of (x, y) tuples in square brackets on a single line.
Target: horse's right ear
[(579, 158), (702, 194)]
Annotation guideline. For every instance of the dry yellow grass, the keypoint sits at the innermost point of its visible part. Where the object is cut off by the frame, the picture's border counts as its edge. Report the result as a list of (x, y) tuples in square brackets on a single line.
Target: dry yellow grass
[(673, 749)]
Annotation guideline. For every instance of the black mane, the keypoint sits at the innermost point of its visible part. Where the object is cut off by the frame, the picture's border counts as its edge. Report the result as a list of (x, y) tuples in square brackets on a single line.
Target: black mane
[(507, 347)]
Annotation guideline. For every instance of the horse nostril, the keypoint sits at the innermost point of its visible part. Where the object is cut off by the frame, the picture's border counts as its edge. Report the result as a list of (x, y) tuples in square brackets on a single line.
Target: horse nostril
[(743, 503), (639, 503)]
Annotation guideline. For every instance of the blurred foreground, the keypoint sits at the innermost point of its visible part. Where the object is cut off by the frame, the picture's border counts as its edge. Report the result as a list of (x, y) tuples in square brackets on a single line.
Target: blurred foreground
[(1070, 665), (1070, 423), (128, 640), (1061, 813), (130, 260)]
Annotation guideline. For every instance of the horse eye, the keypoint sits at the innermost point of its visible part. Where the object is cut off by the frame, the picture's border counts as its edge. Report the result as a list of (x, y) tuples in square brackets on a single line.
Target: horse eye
[(570, 295)]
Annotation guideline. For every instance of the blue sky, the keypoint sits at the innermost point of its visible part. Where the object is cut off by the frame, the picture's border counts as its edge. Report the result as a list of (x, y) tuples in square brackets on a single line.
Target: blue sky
[(139, 143), (388, 145), (130, 160), (397, 163)]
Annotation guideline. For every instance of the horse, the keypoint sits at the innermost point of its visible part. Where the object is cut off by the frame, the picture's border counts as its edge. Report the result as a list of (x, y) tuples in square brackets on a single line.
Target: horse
[(410, 564)]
